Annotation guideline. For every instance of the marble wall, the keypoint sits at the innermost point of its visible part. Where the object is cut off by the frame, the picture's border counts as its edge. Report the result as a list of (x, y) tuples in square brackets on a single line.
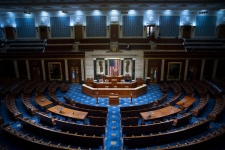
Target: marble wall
[(136, 57)]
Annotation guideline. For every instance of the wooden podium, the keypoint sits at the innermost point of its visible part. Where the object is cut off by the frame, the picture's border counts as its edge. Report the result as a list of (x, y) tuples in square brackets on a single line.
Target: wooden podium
[(113, 100)]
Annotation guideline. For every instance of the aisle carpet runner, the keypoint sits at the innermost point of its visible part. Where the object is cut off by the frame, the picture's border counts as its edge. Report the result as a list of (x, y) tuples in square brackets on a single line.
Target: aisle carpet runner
[(113, 138)]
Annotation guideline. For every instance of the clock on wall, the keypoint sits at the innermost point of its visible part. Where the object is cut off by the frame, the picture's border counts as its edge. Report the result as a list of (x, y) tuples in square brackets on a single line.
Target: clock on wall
[(151, 19), (42, 20), (78, 19), (187, 19)]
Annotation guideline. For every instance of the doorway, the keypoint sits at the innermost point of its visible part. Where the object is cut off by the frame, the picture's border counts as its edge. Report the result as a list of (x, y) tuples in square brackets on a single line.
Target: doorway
[(150, 31), (74, 74)]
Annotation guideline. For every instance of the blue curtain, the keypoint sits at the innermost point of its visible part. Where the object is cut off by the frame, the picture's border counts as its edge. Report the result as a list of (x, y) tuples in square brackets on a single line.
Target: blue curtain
[(60, 26), (25, 27), (169, 26), (205, 26), (96, 26), (132, 26)]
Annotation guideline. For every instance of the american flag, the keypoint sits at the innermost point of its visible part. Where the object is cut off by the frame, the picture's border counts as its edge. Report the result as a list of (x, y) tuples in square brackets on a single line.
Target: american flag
[(114, 64)]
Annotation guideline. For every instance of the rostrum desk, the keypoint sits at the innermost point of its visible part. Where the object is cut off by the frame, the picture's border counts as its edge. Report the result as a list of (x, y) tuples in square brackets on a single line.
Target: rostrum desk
[(113, 100), (122, 89)]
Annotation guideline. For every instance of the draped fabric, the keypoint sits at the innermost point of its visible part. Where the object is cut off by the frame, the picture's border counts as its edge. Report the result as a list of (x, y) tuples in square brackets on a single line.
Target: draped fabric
[(114, 64), (25, 27), (205, 26)]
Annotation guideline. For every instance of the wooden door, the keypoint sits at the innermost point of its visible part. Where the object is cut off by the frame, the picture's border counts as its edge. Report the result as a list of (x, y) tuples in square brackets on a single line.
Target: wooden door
[(114, 32), (153, 74), (74, 74), (221, 33), (43, 32), (10, 33), (186, 31), (78, 32)]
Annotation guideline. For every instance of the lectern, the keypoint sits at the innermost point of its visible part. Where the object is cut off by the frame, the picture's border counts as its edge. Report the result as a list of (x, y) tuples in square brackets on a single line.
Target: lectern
[(113, 100)]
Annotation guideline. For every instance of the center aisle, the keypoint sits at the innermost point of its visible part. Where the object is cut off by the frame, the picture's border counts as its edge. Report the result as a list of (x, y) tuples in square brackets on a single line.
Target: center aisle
[(113, 137)]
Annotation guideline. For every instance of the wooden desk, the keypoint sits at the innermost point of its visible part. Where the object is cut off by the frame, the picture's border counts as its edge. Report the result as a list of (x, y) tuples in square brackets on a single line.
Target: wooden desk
[(70, 113), (159, 113), (118, 78), (113, 100), (186, 102), (122, 92), (114, 84), (42, 101)]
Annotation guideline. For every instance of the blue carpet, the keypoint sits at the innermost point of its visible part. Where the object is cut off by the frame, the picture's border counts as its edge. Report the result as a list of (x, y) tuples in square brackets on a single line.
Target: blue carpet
[(113, 136)]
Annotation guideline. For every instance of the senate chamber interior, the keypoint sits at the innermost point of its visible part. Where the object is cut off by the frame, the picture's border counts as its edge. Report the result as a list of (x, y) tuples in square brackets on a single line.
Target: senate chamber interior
[(112, 74)]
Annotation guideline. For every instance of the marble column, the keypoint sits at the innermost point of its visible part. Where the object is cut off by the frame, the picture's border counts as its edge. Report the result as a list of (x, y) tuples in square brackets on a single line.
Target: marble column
[(186, 69), (202, 69), (133, 69), (66, 69), (162, 69), (121, 66), (28, 69), (43, 69), (82, 69), (214, 68), (146, 68)]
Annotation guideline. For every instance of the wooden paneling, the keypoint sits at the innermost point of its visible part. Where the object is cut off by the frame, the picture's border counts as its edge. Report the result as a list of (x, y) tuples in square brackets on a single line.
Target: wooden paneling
[(135, 47), (208, 69), (10, 33), (74, 63), (43, 32), (169, 40), (93, 47), (22, 69), (220, 73), (221, 33), (121, 92), (154, 63), (60, 41), (35, 70), (95, 40), (58, 48), (114, 32), (7, 68), (194, 69), (78, 32), (169, 47), (133, 40), (183, 55), (186, 31)]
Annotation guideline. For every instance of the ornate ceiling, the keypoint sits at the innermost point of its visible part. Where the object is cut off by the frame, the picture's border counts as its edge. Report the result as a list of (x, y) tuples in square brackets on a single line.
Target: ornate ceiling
[(71, 5)]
